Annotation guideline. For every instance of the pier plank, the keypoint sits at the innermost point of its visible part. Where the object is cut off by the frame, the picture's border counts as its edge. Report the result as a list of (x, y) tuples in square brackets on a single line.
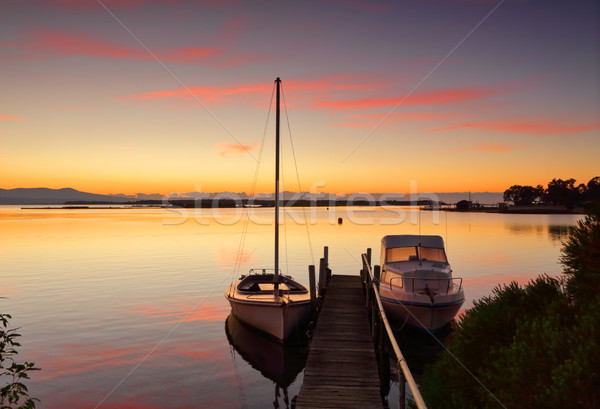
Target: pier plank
[(341, 370)]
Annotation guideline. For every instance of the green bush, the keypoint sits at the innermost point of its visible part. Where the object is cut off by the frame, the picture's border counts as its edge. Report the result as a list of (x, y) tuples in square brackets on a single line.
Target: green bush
[(14, 392), (532, 346)]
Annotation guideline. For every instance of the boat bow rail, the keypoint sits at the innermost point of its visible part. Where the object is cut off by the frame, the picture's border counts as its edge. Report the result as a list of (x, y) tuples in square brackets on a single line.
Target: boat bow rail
[(418, 285)]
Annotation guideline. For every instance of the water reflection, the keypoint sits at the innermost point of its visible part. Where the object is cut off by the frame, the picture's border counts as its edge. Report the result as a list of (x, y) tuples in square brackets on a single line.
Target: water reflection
[(420, 348), (79, 280), (558, 232), (280, 363), (542, 225)]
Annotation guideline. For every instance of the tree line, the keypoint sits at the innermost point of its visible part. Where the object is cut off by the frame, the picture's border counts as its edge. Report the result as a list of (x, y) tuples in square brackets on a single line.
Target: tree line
[(558, 192)]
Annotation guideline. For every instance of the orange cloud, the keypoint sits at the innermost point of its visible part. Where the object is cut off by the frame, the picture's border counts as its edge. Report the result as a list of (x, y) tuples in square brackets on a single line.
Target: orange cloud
[(544, 127), (226, 148), (10, 118), (425, 98)]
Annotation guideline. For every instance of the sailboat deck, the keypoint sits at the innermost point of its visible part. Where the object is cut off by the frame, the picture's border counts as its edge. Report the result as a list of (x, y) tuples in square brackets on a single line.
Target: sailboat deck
[(341, 370)]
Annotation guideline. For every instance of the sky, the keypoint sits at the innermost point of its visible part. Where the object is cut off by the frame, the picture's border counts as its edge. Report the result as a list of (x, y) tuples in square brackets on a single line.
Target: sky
[(173, 96)]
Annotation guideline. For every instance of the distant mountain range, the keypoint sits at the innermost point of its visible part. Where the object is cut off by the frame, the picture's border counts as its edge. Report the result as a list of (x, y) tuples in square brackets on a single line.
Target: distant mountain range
[(43, 195), (37, 196)]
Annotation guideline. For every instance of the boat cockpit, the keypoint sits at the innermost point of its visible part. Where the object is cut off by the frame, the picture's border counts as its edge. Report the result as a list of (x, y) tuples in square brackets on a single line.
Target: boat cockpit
[(255, 283)]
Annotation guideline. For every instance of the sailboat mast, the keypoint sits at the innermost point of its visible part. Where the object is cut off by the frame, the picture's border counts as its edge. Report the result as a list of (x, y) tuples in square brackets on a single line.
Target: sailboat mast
[(277, 114)]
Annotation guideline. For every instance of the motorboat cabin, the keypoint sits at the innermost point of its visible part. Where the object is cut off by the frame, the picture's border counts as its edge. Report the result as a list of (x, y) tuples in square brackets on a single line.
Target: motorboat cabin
[(416, 285)]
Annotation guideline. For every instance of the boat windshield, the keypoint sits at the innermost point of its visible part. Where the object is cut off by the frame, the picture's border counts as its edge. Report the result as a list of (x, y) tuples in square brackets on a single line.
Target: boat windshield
[(432, 254), (415, 254)]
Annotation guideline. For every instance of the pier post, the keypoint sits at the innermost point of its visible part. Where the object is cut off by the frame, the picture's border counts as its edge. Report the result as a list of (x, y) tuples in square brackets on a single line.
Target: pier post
[(312, 287), (369, 256), (402, 388), (362, 271), (322, 275), (377, 276), (326, 266)]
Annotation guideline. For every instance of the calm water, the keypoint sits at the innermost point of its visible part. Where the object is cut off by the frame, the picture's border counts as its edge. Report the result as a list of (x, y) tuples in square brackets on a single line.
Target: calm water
[(125, 308)]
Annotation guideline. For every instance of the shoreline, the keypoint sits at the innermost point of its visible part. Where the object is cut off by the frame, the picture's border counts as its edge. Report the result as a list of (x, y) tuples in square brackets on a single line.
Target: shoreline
[(268, 204), (512, 210)]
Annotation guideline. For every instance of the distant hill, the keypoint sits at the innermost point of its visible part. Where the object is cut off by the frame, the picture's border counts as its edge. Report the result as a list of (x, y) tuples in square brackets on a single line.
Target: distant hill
[(42, 195)]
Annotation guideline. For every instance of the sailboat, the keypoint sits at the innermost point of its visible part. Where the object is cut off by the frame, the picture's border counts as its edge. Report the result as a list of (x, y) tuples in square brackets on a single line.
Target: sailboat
[(264, 298)]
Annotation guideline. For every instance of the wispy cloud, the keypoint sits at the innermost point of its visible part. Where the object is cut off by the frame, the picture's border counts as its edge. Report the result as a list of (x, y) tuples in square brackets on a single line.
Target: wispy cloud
[(211, 94), (10, 118), (298, 91), (540, 127), (368, 120), (57, 42), (92, 5), (437, 97), (225, 149)]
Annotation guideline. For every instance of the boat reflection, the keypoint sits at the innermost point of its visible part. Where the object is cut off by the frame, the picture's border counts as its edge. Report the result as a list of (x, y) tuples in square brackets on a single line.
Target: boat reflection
[(278, 362)]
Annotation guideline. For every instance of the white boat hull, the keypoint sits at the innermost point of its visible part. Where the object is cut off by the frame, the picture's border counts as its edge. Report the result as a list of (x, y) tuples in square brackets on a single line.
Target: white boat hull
[(279, 318), (427, 316)]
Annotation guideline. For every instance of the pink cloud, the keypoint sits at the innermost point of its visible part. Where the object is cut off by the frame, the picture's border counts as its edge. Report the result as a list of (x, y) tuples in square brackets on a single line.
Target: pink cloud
[(299, 91), (425, 98), (63, 43), (228, 149), (10, 118), (93, 5), (207, 93), (50, 41), (370, 120), (543, 127), (185, 55)]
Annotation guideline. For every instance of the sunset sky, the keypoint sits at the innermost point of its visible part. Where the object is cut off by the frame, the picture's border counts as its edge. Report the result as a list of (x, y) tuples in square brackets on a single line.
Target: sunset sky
[(130, 96)]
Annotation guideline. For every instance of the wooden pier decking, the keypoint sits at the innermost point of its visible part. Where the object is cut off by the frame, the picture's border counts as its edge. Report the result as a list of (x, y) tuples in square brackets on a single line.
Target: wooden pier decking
[(341, 370)]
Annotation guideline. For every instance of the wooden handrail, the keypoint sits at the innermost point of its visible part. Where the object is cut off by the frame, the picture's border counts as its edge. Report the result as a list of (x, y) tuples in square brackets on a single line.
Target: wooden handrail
[(401, 362)]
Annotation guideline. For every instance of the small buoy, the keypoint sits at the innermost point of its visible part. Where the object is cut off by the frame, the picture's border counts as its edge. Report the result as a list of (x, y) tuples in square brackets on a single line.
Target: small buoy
[(340, 220)]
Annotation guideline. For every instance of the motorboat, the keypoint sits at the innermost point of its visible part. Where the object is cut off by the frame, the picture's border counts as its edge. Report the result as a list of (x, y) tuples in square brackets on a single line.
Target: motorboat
[(264, 298), (416, 284)]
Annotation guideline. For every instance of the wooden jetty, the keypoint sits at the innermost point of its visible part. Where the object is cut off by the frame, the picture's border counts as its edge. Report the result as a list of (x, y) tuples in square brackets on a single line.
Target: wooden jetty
[(347, 349), (341, 370)]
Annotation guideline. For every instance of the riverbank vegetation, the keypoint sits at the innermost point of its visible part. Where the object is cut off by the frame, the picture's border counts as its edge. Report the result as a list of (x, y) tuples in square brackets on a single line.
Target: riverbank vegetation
[(532, 346), (557, 193), (13, 391)]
